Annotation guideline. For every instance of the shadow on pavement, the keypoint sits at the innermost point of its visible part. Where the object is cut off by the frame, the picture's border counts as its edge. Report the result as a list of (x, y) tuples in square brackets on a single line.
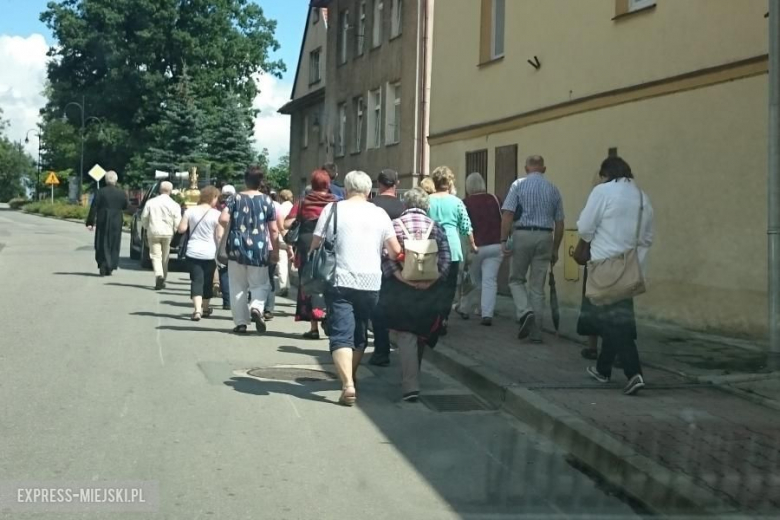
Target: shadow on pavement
[(319, 355), (229, 330), (180, 317), (92, 275), (248, 385)]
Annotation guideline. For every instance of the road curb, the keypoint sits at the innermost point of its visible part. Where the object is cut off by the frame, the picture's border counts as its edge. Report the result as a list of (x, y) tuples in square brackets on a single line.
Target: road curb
[(658, 488), (71, 220)]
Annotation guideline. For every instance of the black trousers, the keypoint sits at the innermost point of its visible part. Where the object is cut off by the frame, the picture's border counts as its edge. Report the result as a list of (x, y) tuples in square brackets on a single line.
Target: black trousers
[(452, 289), (202, 277), (616, 325)]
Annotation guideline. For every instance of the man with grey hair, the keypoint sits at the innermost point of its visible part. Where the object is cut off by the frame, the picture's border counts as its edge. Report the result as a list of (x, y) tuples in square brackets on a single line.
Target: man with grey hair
[(106, 219), (533, 220), (160, 218)]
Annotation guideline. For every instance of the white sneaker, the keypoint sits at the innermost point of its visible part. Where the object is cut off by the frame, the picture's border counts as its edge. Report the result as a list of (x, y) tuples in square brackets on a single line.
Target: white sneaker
[(595, 374), (634, 385)]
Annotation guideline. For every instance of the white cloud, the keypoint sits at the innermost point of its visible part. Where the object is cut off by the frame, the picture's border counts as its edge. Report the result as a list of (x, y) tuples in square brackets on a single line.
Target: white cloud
[(272, 129), (22, 80)]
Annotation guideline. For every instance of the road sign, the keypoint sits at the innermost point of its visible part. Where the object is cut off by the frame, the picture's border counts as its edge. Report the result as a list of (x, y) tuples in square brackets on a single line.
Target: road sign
[(52, 179), (97, 173)]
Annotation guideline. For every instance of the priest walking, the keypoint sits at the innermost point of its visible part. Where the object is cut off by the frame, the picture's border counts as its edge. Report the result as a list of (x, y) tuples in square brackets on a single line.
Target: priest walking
[(105, 219)]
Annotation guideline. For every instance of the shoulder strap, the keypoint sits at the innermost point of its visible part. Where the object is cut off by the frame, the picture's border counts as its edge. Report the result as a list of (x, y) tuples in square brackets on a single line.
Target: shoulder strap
[(430, 229), (201, 220), (641, 211), (404, 229)]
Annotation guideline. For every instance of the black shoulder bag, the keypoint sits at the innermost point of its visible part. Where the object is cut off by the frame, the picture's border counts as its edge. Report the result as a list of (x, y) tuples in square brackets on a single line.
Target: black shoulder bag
[(320, 270), (185, 239), (291, 237)]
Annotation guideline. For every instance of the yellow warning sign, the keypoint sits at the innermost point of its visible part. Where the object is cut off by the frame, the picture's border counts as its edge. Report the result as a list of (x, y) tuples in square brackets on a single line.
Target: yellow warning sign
[(52, 179)]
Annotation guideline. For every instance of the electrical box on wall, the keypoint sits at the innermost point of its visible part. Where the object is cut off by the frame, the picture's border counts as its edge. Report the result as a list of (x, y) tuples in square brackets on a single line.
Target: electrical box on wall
[(571, 270)]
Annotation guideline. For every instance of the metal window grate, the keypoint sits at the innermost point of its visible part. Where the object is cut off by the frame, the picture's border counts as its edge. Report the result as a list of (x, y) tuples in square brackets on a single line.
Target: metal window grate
[(453, 403)]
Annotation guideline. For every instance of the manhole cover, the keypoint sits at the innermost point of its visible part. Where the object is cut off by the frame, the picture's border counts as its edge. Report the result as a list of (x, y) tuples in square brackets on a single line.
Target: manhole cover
[(453, 403), (300, 375)]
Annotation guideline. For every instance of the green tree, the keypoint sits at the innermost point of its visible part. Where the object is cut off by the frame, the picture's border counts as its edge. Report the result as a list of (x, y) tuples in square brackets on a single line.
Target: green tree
[(124, 56), (178, 137), (230, 139), (16, 167), (279, 175)]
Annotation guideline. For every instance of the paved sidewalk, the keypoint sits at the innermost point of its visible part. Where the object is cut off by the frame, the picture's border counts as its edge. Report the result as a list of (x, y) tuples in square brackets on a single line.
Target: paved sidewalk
[(724, 448)]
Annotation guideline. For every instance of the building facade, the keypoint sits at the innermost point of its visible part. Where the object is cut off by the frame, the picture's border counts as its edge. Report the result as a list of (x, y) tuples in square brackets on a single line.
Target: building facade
[(376, 105), (308, 124), (678, 89)]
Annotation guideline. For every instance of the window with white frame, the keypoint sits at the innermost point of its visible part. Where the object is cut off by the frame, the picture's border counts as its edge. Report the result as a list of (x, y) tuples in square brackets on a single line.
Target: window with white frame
[(341, 137), (393, 130), (343, 36), (361, 35), (636, 5), (314, 66), (375, 118), (498, 26), (397, 18), (305, 131), (359, 124), (377, 22)]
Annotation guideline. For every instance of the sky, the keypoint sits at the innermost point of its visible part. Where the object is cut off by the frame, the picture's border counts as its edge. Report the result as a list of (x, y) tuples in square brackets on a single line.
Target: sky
[(24, 41)]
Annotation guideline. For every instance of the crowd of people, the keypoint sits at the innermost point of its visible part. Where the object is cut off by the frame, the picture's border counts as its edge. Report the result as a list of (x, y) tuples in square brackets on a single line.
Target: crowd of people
[(397, 261)]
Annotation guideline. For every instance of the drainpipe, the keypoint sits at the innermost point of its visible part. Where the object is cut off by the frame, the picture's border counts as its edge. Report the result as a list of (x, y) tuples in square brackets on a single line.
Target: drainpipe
[(416, 168), (773, 183), (426, 85)]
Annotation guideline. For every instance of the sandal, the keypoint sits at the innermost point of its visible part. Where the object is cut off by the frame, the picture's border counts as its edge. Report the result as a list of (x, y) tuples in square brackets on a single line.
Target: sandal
[(257, 318), (312, 334), (348, 397), (241, 329), (196, 316), (208, 312)]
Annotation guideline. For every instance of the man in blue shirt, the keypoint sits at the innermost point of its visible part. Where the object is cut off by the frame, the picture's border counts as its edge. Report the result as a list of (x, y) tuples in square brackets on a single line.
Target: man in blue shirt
[(536, 238), (337, 191)]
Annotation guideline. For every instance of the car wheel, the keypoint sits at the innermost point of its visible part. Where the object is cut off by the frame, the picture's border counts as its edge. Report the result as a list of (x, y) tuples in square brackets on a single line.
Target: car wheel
[(146, 262)]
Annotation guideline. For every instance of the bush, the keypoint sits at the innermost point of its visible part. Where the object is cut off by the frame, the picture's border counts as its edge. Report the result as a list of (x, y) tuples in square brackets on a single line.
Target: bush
[(18, 203), (34, 207), (58, 209)]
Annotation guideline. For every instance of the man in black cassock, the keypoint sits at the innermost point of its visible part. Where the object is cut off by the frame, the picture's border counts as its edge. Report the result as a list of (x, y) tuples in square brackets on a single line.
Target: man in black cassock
[(106, 218)]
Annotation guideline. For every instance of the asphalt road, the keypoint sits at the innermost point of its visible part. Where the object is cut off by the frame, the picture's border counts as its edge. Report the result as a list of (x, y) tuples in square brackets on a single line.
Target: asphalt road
[(105, 380)]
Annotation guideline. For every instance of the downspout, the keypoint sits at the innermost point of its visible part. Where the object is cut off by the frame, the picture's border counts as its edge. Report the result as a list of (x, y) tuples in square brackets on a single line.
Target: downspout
[(426, 85), (773, 181), (416, 170)]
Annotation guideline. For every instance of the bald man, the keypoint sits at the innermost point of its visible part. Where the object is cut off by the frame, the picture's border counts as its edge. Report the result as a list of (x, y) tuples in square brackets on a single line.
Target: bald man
[(160, 218), (533, 219)]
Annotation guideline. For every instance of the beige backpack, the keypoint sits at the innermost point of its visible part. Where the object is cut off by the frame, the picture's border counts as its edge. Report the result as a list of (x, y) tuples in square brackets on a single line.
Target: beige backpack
[(421, 257)]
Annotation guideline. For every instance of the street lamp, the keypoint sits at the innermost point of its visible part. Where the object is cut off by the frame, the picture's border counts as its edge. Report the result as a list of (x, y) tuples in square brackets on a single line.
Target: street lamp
[(38, 167), (82, 131)]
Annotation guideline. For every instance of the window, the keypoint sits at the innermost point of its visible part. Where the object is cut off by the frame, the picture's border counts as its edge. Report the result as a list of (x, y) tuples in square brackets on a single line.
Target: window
[(359, 119), (344, 36), (636, 5), (305, 131), (499, 12), (375, 118), (314, 66), (377, 22), (342, 133), (393, 131), (493, 30), (361, 35), (397, 18)]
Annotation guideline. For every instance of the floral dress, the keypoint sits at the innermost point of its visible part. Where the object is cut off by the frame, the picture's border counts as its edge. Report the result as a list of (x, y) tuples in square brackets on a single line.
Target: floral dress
[(248, 238)]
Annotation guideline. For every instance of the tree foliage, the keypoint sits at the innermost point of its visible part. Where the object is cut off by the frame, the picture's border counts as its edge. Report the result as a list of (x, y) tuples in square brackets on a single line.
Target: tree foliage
[(16, 167), (230, 136), (125, 57), (279, 175)]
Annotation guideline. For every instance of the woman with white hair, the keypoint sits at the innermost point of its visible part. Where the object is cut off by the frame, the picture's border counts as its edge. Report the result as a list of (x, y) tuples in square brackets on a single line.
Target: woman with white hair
[(359, 231), (485, 214), (106, 220)]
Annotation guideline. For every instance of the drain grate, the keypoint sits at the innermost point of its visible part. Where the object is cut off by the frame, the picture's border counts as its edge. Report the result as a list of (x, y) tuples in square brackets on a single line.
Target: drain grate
[(453, 403), (299, 375)]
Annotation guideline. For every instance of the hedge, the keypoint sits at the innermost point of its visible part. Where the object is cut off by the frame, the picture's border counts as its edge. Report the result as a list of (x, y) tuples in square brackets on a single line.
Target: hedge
[(18, 203), (64, 210)]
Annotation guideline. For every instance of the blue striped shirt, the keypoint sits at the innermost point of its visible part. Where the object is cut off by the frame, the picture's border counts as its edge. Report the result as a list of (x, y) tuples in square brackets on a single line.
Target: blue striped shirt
[(538, 200)]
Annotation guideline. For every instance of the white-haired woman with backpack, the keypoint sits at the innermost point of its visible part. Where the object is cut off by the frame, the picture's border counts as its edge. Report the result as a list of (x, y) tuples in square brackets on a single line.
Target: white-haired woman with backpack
[(415, 284)]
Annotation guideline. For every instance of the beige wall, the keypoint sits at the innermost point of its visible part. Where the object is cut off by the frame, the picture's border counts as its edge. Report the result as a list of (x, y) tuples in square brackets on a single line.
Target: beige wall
[(583, 52), (316, 36), (701, 157)]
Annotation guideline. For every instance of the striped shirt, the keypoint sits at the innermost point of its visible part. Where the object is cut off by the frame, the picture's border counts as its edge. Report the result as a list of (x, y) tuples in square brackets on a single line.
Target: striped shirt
[(538, 201), (417, 223)]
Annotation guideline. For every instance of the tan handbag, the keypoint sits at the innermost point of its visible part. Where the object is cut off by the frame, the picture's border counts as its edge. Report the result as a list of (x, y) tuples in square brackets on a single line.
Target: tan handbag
[(421, 257), (618, 278)]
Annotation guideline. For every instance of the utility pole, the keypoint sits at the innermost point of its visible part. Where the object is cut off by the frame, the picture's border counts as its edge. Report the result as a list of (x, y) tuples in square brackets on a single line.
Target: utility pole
[(773, 183), (82, 130)]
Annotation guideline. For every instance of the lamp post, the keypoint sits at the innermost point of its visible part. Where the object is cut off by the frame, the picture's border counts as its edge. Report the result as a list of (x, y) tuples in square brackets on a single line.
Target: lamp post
[(38, 164), (82, 131)]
